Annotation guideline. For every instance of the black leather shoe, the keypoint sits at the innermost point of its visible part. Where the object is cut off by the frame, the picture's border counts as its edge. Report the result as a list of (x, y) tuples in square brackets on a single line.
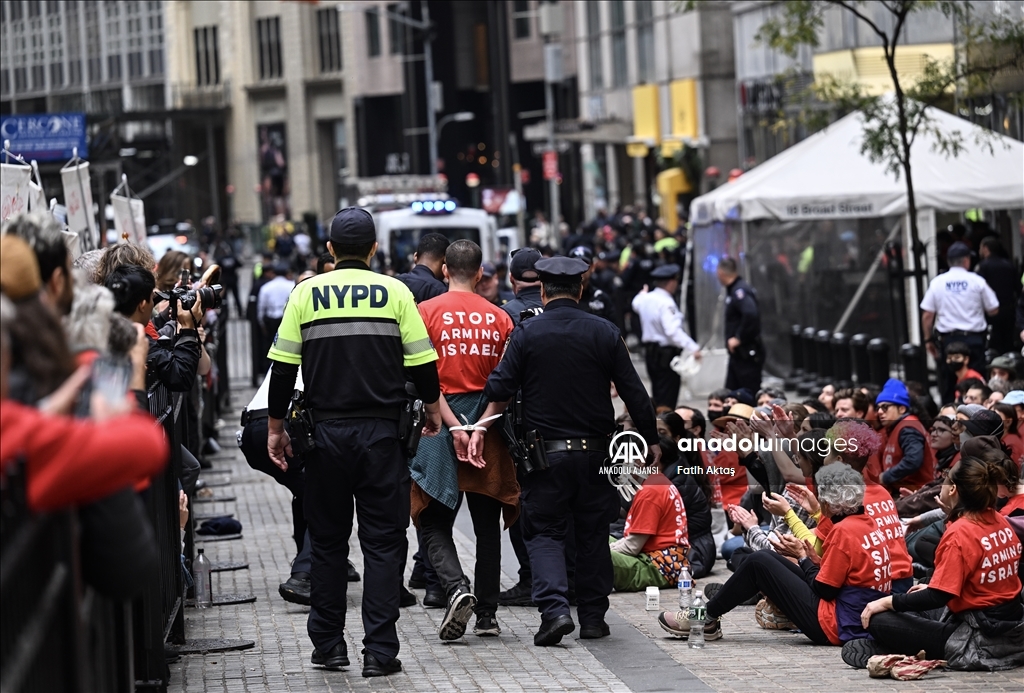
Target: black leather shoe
[(520, 595), (374, 667), (406, 598), (295, 589), (353, 574), (335, 658), (435, 599), (551, 632), (593, 631)]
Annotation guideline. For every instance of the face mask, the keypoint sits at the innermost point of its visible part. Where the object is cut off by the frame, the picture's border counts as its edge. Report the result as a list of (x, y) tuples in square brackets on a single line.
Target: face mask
[(712, 415), (998, 385), (955, 366)]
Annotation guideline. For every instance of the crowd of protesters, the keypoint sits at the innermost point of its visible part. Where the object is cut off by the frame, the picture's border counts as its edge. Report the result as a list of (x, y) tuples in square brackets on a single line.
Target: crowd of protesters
[(871, 518)]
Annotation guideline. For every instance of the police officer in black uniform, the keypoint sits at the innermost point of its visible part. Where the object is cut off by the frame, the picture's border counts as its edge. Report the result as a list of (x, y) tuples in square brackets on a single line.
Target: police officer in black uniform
[(742, 329), (356, 335), (525, 283), (594, 300), (565, 360), (424, 279)]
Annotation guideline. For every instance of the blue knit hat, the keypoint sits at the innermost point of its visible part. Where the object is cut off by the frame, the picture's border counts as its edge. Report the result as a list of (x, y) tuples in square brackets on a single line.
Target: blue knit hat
[(894, 392)]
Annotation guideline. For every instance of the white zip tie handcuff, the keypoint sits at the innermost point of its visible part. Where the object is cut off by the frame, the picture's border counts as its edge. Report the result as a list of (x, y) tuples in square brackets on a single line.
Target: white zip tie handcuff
[(473, 427)]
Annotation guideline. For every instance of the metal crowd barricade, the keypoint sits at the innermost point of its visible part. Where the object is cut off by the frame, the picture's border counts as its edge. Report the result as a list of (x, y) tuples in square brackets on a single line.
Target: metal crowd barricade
[(56, 633), (159, 611)]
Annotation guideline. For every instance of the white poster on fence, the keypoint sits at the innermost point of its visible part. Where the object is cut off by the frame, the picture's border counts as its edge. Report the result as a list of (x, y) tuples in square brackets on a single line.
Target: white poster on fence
[(36, 198), (129, 218), (14, 191), (78, 200)]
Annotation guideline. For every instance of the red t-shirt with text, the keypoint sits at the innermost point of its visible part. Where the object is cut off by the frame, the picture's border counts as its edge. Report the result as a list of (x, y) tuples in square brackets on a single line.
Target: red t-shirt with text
[(855, 553), (469, 334), (1015, 504), (977, 561), (658, 510), (733, 484)]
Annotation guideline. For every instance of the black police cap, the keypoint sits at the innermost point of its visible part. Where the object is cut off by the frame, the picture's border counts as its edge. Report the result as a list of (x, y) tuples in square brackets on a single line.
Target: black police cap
[(670, 271), (561, 268), (523, 265), (583, 253), (353, 226)]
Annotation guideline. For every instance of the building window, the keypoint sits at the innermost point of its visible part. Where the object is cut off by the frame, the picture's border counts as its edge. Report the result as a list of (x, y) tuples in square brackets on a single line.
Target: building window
[(396, 29), (373, 31), (268, 32), (95, 70), (75, 72), (5, 81), (20, 79), (34, 8), (56, 75), (113, 68), (521, 17), (594, 45), (330, 40), (156, 61), (645, 40), (136, 67), (38, 77), (207, 56), (618, 16)]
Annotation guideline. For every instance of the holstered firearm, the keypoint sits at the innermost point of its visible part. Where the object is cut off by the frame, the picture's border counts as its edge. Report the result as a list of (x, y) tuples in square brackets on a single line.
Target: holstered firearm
[(300, 426), (538, 455), (410, 421), (513, 434)]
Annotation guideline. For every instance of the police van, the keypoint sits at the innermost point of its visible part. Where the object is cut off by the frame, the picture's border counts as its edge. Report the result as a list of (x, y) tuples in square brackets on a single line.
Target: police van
[(399, 230)]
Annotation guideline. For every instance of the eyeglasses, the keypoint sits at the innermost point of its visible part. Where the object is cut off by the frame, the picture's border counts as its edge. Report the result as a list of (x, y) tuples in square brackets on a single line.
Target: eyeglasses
[(885, 406), (939, 430)]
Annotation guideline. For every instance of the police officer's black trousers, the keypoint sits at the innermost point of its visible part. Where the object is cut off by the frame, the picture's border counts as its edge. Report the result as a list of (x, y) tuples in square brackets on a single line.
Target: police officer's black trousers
[(570, 487), (254, 447), (744, 373), (360, 460), (436, 523), (664, 381), (515, 535)]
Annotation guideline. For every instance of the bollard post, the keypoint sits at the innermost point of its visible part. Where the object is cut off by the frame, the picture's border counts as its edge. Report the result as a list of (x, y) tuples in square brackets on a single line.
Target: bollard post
[(841, 367), (796, 357), (915, 365), (825, 370), (859, 357), (878, 361), (809, 381)]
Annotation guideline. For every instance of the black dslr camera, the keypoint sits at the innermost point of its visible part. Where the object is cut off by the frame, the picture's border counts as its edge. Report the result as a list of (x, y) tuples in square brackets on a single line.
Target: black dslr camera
[(209, 297)]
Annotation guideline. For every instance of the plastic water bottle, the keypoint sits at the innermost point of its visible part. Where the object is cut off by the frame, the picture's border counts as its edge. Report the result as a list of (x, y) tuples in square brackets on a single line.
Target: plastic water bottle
[(685, 589), (698, 613), (203, 574)]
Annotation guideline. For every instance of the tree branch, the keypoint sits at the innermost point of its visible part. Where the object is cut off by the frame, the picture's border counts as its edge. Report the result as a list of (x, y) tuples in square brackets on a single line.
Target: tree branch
[(857, 13)]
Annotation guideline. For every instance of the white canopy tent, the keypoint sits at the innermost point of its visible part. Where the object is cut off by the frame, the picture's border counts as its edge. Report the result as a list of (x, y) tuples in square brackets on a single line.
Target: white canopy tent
[(809, 222), (827, 177)]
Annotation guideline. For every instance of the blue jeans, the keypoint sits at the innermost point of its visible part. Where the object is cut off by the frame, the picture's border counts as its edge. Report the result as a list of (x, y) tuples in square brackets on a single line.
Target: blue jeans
[(730, 545)]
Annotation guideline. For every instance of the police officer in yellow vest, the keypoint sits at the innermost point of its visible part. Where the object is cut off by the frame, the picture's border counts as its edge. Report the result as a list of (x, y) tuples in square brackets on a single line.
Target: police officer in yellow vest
[(356, 335)]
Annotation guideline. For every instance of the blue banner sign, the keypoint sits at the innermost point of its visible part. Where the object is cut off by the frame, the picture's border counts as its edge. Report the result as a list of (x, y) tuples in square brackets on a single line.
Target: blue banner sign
[(45, 136)]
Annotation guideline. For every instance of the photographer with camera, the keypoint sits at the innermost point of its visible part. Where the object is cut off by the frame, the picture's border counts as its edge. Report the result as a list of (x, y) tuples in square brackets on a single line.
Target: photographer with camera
[(173, 359)]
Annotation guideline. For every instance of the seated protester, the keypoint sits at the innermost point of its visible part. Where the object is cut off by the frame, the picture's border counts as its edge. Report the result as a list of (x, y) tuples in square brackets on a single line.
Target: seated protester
[(975, 579), (768, 395), (860, 443), (1011, 438), (1013, 510), (731, 475), (972, 391), (908, 460), (958, 361), (827, 396), (694, 485), (653, 548), (695, 422), (822, 598), (944, 443), (851, 404), (810, 458), (716, 403)]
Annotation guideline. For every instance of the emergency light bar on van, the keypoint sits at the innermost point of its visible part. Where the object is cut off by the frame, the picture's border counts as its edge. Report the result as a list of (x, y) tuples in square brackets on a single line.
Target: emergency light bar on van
[(433, 207)]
